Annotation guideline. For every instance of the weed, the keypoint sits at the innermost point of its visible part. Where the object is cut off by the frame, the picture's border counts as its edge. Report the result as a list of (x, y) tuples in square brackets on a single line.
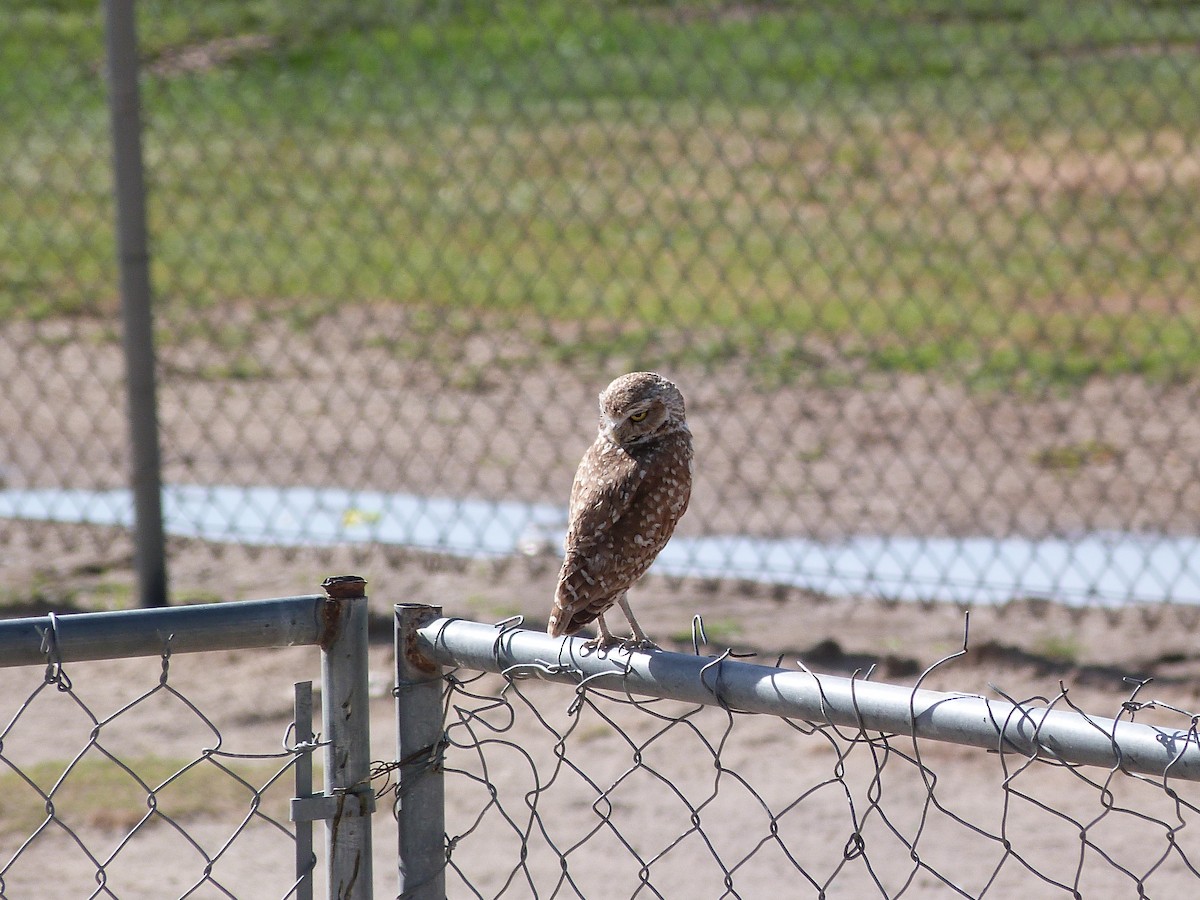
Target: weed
[(1073, 457)]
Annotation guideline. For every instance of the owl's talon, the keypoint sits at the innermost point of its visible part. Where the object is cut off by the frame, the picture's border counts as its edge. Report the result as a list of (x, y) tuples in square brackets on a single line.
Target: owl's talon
[(628, 645), (599, 645), (634, 643)]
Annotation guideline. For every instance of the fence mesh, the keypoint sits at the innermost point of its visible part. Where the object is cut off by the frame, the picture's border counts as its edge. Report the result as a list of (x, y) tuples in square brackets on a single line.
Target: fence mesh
[(103, 785), (559, 794), (923, 271)]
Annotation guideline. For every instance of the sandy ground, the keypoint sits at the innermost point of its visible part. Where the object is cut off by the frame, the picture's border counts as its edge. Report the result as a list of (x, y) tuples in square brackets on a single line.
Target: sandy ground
[(904, 455), (361, 400)]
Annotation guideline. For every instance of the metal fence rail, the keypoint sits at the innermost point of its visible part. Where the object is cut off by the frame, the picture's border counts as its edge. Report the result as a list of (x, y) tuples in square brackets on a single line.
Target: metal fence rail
[(1070, 737), (650, 765), (38, 777)]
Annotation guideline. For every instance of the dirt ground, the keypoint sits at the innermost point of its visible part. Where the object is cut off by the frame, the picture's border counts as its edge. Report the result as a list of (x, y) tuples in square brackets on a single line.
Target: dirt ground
[(906, 455), (364, 399)]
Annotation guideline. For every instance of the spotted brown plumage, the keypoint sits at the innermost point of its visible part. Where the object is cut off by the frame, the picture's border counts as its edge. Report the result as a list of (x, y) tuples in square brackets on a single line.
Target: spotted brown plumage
[(632, 486)]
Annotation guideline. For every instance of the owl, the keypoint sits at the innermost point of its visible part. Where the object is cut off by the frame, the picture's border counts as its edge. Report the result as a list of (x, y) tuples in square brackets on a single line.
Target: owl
[(630, 490)]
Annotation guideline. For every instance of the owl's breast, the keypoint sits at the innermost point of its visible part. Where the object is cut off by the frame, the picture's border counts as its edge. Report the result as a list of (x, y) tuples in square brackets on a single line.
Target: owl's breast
[(666, 482)]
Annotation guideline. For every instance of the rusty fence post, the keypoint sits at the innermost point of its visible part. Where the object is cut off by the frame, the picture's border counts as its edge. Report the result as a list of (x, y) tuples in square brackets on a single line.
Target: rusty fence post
[(420, 741), (345, 716)]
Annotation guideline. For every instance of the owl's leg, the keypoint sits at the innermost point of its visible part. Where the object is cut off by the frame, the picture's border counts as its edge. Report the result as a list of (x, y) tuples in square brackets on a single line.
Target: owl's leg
[(639, 636), (604, 639)]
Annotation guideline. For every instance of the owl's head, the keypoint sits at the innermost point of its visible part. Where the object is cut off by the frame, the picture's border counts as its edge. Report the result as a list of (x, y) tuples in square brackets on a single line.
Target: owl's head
[(639, 407)]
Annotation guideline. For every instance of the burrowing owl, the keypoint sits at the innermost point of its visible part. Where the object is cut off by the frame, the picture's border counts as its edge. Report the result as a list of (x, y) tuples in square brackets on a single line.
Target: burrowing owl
[(631, 487)]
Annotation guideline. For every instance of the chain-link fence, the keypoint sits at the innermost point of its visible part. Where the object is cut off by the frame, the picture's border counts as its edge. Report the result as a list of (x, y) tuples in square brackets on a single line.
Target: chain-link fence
[(654, 777), (650, 774), (96, 813), (924, 271), (126, 778)]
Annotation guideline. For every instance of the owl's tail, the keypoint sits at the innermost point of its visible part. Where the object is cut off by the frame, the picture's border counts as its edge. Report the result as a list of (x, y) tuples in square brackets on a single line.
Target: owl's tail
[(566, 620), (576, 600)]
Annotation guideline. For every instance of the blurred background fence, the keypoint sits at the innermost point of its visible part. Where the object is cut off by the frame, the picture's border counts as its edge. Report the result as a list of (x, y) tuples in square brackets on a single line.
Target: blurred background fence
[(924, 271)]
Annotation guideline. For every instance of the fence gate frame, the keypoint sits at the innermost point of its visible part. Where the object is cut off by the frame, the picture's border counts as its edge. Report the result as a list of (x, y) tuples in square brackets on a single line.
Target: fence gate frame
[(336, 622), (427, 644)]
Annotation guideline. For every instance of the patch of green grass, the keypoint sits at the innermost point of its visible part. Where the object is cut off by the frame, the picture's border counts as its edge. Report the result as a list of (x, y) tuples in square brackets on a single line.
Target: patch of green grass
[(99, 793), (1058, 648), (996, 192), (491, 608), (110, 594), (595, 732), (718, 631), (42, 595), (1073, 457)]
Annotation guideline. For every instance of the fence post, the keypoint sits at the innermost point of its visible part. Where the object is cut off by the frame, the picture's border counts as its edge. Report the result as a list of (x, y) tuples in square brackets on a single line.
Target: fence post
[(303, 736), (346, 718), (420, 797), (149, 548)]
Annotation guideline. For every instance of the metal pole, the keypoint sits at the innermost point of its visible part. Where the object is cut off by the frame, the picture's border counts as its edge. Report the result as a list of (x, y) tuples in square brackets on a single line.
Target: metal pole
[(970, 720), (305, 860), (134, 262), (420, 797), (346, 725)]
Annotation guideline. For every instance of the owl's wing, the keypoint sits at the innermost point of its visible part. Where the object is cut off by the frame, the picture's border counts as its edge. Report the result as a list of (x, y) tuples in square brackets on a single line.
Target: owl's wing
[(591, 581), (604, 489)]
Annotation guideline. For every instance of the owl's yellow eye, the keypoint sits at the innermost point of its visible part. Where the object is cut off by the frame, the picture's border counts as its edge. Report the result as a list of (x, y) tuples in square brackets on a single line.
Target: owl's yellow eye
[(639, 417)]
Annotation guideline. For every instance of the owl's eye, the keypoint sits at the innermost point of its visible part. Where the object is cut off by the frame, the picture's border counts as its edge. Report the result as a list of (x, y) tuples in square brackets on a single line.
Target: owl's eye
[(639, 417)]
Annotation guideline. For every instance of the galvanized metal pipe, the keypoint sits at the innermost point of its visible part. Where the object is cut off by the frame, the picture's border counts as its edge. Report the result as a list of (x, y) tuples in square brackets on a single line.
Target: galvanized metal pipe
[(854, 703), (133, 257), (420, 797), (286, 622), (303, 735), (346, 718)]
